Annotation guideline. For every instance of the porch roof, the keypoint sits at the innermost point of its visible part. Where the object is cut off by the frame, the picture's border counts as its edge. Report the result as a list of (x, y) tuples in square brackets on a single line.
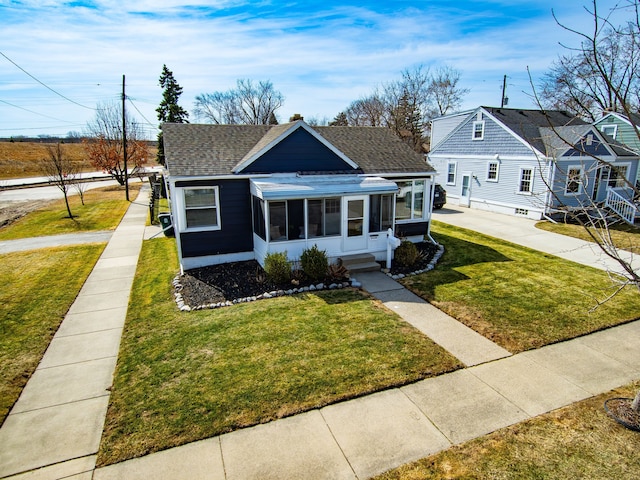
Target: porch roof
[(318, 186)]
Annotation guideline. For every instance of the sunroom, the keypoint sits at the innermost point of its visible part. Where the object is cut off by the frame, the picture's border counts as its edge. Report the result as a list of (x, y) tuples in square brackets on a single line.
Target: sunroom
[(341, 214)]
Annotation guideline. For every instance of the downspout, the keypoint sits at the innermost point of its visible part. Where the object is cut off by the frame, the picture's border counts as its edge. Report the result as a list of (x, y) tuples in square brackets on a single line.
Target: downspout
[(433, 192), (549, 195), (174, 220)]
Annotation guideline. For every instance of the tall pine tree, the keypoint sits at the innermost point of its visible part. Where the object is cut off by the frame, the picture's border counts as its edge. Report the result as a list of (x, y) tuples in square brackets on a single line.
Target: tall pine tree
[(169, 110)]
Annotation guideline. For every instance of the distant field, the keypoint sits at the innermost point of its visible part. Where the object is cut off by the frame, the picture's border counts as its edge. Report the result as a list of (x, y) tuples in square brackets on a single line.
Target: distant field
[(20, 159)]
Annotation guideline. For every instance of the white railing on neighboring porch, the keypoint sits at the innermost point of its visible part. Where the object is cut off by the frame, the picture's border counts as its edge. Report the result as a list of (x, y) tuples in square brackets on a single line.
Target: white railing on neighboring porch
[(620, 200)]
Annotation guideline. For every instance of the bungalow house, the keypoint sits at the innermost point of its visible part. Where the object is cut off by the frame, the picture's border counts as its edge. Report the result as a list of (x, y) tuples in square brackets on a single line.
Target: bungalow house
[(528, 162), (623, 129), (240, 192)]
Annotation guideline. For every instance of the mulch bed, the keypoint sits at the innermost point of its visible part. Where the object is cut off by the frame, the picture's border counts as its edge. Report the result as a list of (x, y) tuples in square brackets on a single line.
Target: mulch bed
[(227, 282), (620, 410)]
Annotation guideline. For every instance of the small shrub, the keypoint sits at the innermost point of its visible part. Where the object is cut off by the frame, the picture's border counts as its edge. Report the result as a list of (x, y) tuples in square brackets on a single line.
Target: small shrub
[(314, 263), (277, 267), (406, 254)]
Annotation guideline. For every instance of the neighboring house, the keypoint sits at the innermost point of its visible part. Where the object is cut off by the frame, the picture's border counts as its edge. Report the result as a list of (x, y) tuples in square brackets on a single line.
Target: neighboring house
[(444, 125), (239, 192), (528, 162), (623, 129)]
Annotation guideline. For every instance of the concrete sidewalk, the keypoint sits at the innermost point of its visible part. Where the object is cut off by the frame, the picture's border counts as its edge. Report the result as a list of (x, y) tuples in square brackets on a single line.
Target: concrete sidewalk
[(23, 244), (54, 429), (367, 436)]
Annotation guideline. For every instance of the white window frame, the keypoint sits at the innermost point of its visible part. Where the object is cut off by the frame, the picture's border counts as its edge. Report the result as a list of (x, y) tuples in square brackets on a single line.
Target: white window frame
[(474, 131), (580, 181), (455, 172), (613, 126), (530, 191), (619, 181), (217, 225), (497, 164)]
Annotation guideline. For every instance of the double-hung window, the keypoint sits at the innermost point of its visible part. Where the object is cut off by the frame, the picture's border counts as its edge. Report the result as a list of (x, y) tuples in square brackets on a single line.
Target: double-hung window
[(617, 176), (202, 208), (478, 130), (574, 182), (451, 173), (610, 130), (492, 171), (525, 184)]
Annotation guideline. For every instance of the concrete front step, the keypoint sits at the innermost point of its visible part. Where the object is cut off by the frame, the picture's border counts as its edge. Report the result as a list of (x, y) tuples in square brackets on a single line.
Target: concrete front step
[(362, 262)]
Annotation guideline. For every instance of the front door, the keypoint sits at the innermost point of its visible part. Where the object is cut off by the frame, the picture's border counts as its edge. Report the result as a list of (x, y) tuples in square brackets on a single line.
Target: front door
[(356, 223), (465, 191)]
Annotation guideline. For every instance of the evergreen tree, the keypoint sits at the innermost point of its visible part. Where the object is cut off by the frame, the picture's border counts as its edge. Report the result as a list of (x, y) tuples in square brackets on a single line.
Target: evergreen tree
[(169, 110), (340, 120)]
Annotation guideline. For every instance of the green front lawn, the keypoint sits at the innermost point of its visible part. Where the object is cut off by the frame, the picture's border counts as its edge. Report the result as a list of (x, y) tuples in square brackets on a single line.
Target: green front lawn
[(103, 210), (38, 287), (623, 236), (187, 376), (519, 298)]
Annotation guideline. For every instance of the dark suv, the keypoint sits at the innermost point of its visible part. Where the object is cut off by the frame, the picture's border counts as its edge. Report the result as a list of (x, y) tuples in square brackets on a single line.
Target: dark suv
[(439, 197)]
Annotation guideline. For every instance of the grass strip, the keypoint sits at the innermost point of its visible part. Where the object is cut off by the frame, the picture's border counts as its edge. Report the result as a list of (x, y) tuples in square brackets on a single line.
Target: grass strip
[(39, 286), (577, 441), (182, 376), (519, 298), (103, 210), (625, 237)]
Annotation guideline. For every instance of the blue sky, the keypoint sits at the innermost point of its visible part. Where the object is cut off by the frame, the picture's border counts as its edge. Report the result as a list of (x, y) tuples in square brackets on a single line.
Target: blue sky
[(321, 54)]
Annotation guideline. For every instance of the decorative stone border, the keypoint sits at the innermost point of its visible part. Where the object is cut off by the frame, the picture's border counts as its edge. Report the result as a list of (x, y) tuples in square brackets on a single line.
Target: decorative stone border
[(177, 286), (430, 266), (271, 294)]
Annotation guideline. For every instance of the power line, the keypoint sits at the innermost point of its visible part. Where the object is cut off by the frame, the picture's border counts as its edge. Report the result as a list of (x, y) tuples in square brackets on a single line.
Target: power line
[(45, 85), (31, 111), (141, 114)]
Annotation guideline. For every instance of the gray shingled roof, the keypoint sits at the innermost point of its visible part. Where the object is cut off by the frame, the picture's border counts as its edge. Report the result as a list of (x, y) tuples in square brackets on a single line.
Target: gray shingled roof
[(559, 139), (207, 150), (527, 124)]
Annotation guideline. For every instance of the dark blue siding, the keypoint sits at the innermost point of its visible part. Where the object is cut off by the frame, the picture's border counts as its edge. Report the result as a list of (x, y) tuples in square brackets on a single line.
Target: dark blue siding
[(581, 149), (299, 152), (410, 229), (235, 218)]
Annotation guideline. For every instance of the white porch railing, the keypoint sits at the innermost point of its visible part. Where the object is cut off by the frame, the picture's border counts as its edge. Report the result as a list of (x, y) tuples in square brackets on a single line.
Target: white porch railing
[(620, 200)]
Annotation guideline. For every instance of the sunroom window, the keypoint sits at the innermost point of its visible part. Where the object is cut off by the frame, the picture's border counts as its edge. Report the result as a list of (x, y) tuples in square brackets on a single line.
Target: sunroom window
[(410, 200), (380, 213), (324, 217)]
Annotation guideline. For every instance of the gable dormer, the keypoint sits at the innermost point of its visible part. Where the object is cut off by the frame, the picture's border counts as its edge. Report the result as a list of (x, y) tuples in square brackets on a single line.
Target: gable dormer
[(294, 147)]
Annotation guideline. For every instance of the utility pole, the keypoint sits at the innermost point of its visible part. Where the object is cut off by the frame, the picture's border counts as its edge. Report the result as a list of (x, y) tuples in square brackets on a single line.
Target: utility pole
[(504, 100), (124, 143)]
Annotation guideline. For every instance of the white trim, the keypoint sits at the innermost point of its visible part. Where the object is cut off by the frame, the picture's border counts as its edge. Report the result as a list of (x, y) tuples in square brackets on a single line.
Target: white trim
[(455, 172), (183, 210), (473, 130), (580, 181), (533, 175), (489, 163), (189, 263), (609, 125), (503, 157)]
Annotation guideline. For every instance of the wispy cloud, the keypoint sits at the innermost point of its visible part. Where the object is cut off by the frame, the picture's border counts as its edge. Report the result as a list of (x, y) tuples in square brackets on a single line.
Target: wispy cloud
[(320, 54)]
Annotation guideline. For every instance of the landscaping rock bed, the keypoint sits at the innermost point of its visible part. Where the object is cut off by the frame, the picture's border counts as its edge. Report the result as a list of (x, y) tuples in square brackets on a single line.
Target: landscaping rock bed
[(239, 282)]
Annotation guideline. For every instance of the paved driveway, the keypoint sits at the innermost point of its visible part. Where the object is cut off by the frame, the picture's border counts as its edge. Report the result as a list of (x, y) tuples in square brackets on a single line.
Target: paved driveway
[(522, 231)]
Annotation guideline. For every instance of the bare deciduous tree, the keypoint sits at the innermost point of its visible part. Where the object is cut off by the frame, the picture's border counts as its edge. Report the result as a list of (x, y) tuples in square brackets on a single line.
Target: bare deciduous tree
[(248, 103), (602, 74), (408, 104), (104, 145), (605, 78), (60, 171)]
